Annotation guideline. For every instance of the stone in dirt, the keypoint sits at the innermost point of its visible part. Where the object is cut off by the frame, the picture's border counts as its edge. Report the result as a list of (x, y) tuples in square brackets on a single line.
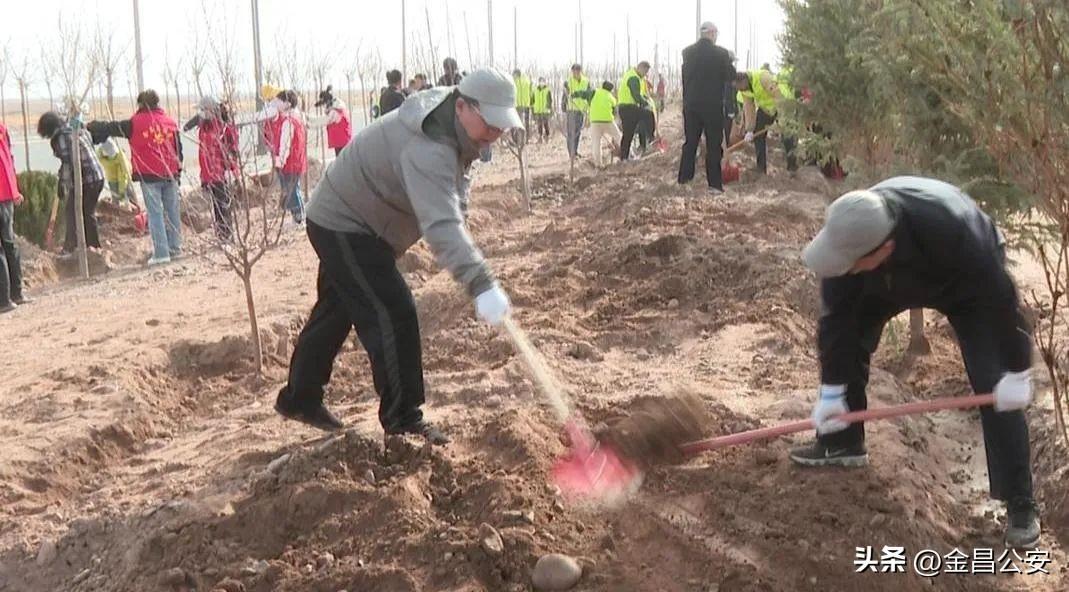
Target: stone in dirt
[(556, 572), (490, 540), (46, 553), (276, 465)]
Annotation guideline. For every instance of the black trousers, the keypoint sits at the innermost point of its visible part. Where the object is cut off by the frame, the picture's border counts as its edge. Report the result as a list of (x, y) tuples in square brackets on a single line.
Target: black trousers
[(631, 116), (542, 121), (696, 123), (1005, 434), (729, 122), (222, 209), (90, 195), (360, 287), (10, 262), (764, 120)]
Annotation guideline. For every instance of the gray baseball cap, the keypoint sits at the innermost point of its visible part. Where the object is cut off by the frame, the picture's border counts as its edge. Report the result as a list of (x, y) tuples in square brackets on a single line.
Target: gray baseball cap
[(496, 94), (855, 225)]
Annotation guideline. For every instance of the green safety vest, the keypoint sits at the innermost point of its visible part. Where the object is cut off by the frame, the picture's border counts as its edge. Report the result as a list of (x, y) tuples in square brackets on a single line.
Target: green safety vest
[(601, 106), (625, 91), (541, 100), (783, 79), (574, 86), (761, 97), (523, 91)]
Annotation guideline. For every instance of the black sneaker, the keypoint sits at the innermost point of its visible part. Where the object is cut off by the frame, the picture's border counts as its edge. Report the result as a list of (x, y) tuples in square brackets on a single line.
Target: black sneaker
[(1022, 524), (422, 428), (20, 300), (318, 417), (818, 455)]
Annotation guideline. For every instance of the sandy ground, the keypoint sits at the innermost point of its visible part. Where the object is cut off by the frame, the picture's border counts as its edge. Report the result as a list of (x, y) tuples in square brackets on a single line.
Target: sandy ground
[(139, 450)]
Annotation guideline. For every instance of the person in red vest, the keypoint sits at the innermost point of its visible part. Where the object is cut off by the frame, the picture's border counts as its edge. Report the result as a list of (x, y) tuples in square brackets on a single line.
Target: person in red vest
[(10, 266), (339, 126), (291, 154), (156, 156), (219, 160)]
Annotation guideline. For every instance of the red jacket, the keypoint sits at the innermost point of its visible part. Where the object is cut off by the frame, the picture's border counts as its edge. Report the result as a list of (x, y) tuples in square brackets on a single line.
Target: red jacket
[(297, 160), (339, 134), (9, 185), (152, 144), (218, 150)]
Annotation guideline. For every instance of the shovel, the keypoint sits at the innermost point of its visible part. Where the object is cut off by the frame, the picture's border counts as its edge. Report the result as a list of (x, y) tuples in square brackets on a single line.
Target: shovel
[(589, 467), (729, 171)]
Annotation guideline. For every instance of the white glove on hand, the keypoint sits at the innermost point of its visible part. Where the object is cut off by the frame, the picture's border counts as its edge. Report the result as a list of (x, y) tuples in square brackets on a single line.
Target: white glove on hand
[(749, 137), (492, 306), (1014, 391), (831, 402)]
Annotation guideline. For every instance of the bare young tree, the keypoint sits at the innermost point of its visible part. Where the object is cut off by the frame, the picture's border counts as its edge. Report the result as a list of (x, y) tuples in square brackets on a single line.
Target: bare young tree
[(172, 71), (516, 141), (5, 67), (48, 74), (255, 220), (22, 77), (109, 55), (368, 68)]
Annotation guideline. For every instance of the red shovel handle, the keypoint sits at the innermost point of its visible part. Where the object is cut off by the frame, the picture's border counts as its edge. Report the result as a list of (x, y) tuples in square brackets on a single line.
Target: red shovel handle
[(852, 417)]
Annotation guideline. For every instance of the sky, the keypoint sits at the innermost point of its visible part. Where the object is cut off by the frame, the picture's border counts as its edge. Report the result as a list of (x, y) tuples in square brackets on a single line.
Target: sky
[(173, 29)]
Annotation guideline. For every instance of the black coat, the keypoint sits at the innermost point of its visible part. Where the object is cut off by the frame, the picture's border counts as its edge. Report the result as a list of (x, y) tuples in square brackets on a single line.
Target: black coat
[(707, 68), (947, 256), (390, 100)]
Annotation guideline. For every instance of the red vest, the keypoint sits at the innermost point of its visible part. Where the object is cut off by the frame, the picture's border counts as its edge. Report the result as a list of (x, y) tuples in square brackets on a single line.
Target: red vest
[(339, 134), (9, 184), (218, 146), (272, 128), (152, 144), (297, 161)]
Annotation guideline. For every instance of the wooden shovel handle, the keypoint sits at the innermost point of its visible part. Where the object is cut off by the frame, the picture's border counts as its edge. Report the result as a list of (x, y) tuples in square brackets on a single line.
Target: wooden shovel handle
[(852, 417), (742, 143)]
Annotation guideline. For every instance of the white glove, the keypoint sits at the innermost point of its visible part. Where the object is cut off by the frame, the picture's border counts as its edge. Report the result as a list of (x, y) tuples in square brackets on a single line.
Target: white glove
[(492, 306), (831, 402), (1014, 391), (748, 137)]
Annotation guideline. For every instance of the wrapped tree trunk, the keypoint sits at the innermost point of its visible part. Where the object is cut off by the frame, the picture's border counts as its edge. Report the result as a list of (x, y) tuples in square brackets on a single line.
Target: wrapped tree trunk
[(918, 343)]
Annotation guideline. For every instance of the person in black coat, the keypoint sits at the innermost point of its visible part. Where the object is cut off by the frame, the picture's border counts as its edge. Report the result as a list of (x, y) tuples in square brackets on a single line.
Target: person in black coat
[(912, 242), (707, 69), (392, 97)]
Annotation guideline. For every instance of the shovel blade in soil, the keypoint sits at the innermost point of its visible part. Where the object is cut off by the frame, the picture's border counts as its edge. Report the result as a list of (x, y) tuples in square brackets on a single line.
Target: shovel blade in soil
[(596, 474)]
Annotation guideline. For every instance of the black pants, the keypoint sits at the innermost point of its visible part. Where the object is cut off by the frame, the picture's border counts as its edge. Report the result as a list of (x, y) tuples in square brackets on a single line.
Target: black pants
[(696, 123), (359, 286), (542, 121), (764, 120), (631, 116), (729, 123), (90, 195), (222, 210), (1005, 434), (10, 263)]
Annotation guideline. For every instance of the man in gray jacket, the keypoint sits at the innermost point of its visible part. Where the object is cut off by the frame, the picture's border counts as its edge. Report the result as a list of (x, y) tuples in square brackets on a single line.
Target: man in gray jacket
[(402, 178)]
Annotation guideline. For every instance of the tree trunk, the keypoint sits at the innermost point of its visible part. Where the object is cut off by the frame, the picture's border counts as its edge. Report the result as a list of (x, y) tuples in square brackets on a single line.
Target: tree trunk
[(918, 343), (250, 304), (178, 99), (76, 167), (25, 123), (110, 90), (3, 106)]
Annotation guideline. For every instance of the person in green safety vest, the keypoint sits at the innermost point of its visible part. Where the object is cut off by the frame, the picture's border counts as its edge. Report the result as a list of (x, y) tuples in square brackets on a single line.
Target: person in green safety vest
[(542, 104), (760, 93), (579, 92), (635, 107), (524, 97), (603, 121)]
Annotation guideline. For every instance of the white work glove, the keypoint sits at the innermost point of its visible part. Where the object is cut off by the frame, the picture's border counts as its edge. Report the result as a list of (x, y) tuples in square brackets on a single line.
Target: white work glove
[(492, 306), (748, 137), (1014, 391), (830, 402)]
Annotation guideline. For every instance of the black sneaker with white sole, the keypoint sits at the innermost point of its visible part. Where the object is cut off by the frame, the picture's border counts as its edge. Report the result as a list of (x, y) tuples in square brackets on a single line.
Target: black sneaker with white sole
[(819, 455), (1022, 524)]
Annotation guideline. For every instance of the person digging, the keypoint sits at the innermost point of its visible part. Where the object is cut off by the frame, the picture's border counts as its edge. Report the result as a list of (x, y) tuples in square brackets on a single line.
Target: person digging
[(912, 242), (403, 177)]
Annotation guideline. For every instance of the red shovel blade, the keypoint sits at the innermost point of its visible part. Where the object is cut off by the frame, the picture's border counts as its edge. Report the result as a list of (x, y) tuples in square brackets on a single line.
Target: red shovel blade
[(730, 172), (141, 222), (593, 472)]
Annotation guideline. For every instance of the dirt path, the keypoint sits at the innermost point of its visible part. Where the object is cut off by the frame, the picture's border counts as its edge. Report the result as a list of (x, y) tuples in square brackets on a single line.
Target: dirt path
[(138, 451)]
